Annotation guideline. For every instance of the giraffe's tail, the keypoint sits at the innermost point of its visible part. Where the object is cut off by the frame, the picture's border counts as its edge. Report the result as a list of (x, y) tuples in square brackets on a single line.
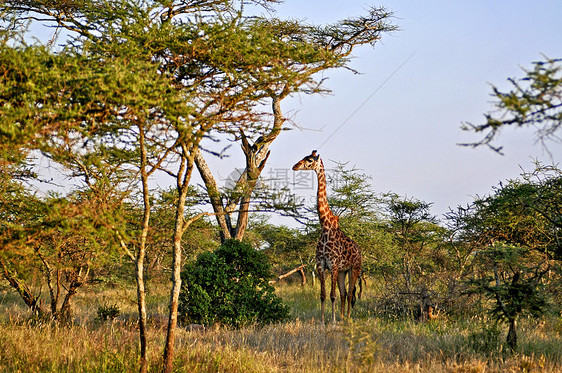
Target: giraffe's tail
[(361, 280)]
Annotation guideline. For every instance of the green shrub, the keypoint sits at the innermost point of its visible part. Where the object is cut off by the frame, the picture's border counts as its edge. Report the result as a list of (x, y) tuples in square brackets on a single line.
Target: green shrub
[(230, 286), (107, 312)]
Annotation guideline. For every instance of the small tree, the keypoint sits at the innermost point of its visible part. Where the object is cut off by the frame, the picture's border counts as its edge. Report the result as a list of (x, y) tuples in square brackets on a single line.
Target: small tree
[(57, 236), (230, 286), (512, 279), (421, 258), (513, 246)]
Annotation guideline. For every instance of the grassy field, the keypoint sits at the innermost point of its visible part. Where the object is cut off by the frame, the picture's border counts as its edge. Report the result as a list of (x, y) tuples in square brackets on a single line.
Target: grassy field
[(364, 344)]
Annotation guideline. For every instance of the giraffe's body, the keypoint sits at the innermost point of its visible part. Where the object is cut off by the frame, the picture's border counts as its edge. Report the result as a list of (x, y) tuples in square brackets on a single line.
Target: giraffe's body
[(336, 253)]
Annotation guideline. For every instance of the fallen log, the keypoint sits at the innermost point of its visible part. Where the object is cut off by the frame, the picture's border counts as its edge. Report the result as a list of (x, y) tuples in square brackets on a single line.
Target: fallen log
[(299, 269)]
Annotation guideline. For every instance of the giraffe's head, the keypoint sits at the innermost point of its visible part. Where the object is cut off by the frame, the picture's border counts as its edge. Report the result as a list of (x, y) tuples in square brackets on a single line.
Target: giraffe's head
[(310, 162)]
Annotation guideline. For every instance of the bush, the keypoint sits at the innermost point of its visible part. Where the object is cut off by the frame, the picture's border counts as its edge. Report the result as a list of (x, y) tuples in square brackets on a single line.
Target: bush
[(230, 286), (107, 312)]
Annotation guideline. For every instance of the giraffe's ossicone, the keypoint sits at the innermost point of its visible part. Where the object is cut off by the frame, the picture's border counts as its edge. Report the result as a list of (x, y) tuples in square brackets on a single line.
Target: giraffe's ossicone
[(336, 253)]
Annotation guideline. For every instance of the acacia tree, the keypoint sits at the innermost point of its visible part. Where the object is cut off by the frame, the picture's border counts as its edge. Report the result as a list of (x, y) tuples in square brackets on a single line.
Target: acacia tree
[(43, 95), (82, 112), (512, 277), (361, 214), (534, 101), (514, 248), (54, 238), (515, 230), (300, 52), (420, 261)]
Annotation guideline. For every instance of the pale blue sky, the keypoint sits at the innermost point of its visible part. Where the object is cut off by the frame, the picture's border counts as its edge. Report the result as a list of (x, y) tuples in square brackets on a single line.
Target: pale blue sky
[(406, 135)]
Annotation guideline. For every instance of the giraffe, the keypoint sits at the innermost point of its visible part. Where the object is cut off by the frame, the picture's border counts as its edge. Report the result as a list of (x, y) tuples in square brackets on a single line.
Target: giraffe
[(335, 251)]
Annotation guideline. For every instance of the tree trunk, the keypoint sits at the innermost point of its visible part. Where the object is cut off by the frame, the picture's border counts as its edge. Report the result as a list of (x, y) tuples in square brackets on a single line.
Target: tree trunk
[(214, 194), (54, 295), (303, 276), (512, 335), (23, 290), (183, 178), (141, 300), (139, 262), (313, 274), (243, 215), (256, 157), (64, 315), (75, 281)]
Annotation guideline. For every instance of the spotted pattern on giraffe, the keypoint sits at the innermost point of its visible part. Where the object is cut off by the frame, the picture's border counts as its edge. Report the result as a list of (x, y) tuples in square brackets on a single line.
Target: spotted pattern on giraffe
[(336, 253)]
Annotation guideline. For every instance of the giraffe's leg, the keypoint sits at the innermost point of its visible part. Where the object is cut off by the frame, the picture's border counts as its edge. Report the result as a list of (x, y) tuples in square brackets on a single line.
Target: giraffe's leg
[(333, 293), (360, 286), (353, 276), (341, 286), (322, 291)]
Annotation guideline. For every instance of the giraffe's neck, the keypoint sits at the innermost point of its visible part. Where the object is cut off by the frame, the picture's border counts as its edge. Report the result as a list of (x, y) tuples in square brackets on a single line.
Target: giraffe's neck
[(327, 217)]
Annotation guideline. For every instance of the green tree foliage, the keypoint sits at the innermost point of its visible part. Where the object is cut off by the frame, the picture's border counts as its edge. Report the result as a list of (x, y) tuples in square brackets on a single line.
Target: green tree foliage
[(513, 246), (45, 94), (544, 197), (534, 101), (520, 212), (418, 276), (301, 52), (286, 248), (230, 286), (512, 278), (54, 241), (352, 196), (361, 212)]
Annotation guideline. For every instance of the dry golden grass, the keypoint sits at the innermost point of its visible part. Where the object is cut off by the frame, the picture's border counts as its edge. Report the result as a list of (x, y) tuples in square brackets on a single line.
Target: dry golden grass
[(364, 344)]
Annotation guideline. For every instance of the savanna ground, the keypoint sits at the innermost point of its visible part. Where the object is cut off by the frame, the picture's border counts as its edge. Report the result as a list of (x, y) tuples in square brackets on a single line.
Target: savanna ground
[(367, 343)]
